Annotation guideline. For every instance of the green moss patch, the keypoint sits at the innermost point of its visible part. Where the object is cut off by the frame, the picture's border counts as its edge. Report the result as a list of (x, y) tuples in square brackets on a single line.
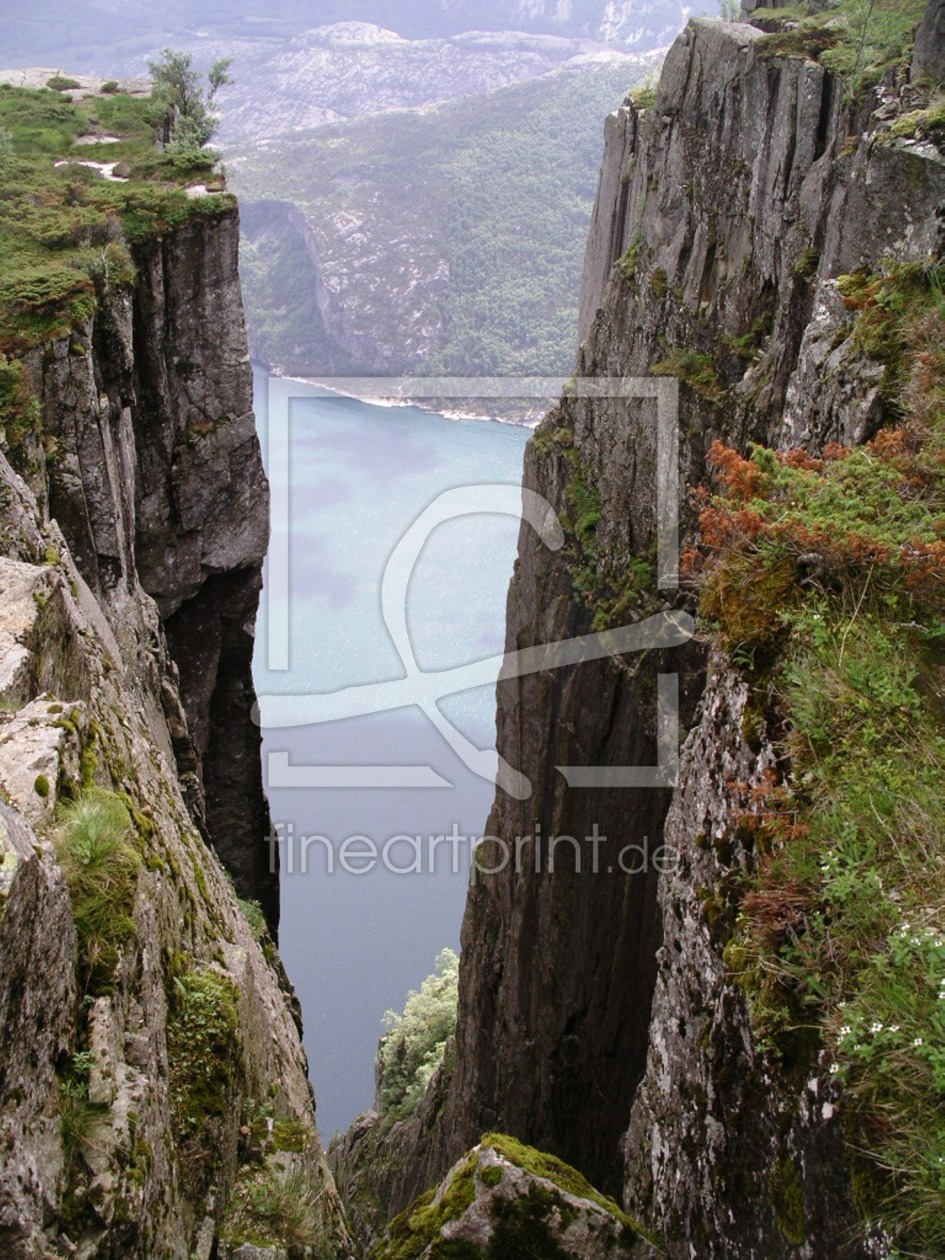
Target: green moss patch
[(416, 1228), (202, 1048), (526, 1225)]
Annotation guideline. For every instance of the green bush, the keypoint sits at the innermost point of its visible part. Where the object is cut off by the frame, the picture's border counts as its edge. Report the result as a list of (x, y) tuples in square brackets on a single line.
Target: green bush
[(415, 1044), (60, 83)]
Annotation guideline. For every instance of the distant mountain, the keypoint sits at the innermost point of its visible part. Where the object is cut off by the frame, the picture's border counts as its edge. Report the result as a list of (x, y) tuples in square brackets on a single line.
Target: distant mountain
[(349, 69), (116, 36), (447, 239)]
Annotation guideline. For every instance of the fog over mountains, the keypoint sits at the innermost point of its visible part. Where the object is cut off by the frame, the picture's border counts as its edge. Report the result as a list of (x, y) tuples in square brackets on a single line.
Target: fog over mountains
[(345, 70), (117, 36)]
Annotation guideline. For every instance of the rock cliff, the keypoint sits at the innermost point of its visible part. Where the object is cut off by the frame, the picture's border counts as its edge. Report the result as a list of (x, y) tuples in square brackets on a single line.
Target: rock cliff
[(154, 1093), (603, 1015)]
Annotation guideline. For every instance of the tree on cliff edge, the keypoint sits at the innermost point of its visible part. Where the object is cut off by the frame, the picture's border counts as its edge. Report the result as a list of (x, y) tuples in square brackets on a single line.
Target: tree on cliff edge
[(187, 120)]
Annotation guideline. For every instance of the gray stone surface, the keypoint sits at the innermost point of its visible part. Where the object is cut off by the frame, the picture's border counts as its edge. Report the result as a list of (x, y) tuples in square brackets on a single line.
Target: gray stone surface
[(37, 1023), (928, 59)]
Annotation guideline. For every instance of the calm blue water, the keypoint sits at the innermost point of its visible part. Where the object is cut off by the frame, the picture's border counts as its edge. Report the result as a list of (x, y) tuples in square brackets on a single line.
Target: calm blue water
[(359, 476)]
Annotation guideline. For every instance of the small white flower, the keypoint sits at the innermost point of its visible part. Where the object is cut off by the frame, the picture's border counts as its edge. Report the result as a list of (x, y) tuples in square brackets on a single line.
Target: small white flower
[(918, 1042), (834, 1068), (893, 1027), (845, 1030), (876, 1027)]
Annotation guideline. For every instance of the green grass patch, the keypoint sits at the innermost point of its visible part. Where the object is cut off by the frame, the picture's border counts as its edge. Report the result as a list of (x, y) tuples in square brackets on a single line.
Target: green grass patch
[(96, 848), (860, 40), (63, 229), (823, 577), (202, 1048), (273, 1206)]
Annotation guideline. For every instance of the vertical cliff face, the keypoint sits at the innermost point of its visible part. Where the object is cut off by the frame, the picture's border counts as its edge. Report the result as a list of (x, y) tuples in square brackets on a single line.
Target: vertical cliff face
[(599, 1016), (154, 1094), (166, 489), (202, 527)]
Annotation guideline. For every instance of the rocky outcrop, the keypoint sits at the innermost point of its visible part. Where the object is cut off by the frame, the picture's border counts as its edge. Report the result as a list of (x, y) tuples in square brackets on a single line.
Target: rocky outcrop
[(597, 1017), (505, 1199), (721, 1149), (37, 1013), (154, 1093)]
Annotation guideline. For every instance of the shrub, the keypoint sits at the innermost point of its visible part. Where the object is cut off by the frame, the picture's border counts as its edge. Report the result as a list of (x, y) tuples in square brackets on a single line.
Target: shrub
[(697, 369), (415, 1044), (187, 102), (644, 96), (284, 1207), (60, 83)]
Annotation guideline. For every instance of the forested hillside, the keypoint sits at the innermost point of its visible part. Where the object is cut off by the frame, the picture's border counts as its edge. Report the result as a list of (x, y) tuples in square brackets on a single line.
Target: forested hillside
[(442, 240)]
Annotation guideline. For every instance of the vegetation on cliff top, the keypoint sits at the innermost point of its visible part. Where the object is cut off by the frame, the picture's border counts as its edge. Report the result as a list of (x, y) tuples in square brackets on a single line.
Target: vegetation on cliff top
[(65, 229), (860, 40), (823, 577)]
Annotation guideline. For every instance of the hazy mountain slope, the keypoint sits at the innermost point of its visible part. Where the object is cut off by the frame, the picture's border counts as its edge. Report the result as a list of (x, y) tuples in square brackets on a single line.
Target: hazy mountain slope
[(342, 71), (429, 239)]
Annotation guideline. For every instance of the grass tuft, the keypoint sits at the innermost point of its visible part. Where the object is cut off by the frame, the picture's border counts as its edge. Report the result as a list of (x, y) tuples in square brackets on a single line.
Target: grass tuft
[(95, 845)]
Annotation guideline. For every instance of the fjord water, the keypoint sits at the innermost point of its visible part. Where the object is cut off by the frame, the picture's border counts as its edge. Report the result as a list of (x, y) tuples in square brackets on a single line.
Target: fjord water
[(359, 475)]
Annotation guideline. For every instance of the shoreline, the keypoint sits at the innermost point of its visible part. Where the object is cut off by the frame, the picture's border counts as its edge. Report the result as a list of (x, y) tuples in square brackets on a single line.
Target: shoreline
[(390, 402)]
